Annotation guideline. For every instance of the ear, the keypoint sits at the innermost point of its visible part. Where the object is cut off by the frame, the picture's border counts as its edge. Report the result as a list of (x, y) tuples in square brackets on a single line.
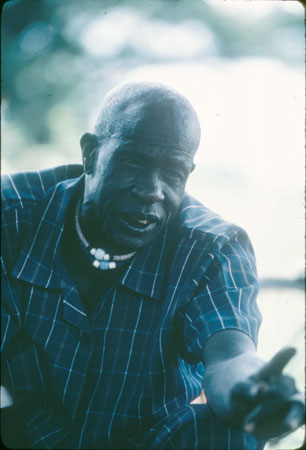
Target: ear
[(89, 143), (192, 167)]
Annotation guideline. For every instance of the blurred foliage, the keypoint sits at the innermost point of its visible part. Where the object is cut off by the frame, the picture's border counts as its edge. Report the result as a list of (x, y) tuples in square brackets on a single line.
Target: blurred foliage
[(55, 52)]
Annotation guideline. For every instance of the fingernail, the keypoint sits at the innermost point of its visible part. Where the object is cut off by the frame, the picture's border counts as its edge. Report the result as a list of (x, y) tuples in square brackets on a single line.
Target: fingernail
[(249, 427)]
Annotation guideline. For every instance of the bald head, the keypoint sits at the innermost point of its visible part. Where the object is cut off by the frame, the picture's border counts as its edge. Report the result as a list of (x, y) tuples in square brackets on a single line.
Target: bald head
[(133, 107)]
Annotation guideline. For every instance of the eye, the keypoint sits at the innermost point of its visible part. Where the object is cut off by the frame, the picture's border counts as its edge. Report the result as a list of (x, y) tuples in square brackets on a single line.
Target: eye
[(174, 175)]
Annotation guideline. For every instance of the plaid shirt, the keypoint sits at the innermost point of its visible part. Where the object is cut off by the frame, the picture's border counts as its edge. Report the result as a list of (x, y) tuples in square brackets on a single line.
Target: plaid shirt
[(95, 381)]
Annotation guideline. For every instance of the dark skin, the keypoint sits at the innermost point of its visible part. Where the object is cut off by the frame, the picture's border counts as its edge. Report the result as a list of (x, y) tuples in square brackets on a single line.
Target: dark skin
[(134, 184), (132, 180)]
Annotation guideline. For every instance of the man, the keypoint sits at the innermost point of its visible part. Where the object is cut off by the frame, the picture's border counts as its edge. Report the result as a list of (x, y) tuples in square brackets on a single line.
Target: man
[(123, 297)]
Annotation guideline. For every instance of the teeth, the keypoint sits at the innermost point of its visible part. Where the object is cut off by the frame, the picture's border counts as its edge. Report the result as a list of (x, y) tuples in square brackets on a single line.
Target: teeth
[(141, 221)]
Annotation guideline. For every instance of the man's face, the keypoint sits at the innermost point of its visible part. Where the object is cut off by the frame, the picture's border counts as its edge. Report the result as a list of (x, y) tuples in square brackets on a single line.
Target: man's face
[(136, 186)]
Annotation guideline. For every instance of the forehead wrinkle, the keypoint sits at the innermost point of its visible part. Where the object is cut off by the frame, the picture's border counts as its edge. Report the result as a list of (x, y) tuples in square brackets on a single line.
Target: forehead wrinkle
[(178, 155), (137, 144), (162, 141)]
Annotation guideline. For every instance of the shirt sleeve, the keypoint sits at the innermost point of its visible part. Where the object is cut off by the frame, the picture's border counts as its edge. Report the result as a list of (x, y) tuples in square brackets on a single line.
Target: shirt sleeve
[(225, 299), (16, 220), (10, 295)]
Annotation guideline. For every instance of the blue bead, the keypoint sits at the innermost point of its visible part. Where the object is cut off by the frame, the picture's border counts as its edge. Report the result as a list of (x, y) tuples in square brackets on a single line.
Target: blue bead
[(104, 265)]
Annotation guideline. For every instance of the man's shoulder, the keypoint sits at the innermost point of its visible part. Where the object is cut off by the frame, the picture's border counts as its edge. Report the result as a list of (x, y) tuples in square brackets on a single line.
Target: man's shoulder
[(29, 187), (200, 221), (26, 199)]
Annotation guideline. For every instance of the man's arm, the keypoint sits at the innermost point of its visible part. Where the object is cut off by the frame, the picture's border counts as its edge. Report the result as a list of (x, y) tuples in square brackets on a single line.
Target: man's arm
[(248, 392)]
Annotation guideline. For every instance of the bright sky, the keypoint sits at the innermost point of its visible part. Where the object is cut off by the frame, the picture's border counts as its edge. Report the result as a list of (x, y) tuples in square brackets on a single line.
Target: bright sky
[(255, 9)]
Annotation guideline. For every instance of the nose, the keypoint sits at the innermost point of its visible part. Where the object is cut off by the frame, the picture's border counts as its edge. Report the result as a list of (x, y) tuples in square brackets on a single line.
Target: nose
[(149, 189)]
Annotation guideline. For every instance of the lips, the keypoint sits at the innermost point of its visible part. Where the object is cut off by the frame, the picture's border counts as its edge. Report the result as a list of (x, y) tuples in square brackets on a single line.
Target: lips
[(137, 222)]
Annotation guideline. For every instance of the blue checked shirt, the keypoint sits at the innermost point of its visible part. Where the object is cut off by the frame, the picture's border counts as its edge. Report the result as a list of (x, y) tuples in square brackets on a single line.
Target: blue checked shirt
[(99, 380)]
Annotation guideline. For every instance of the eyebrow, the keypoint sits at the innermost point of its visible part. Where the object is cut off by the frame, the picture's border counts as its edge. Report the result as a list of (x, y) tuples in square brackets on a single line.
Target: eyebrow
[(170, 157)]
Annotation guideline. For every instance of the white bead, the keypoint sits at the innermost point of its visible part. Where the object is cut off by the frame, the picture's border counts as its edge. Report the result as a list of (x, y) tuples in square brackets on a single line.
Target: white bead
[(96, 264), (99, 254), (93, 251), (106, 257), (112, 265)]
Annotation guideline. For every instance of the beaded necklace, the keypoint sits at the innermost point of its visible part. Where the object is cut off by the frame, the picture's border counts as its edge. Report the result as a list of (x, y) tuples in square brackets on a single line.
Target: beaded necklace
[(100, 259)]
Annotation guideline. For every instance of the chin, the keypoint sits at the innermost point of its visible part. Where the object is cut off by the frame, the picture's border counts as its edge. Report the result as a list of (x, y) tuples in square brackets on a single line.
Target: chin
[(130, 244)]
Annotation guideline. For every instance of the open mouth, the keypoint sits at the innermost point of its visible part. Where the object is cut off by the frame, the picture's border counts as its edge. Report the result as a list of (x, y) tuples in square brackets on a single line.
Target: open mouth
[(138, 222)]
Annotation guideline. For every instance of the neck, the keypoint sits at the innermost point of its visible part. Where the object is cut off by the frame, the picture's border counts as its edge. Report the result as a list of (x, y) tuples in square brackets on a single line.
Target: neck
[(100, 258)]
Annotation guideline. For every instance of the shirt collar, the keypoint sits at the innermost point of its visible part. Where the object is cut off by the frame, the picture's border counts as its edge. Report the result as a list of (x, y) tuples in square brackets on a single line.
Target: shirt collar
[(39, 262), (147, 271)]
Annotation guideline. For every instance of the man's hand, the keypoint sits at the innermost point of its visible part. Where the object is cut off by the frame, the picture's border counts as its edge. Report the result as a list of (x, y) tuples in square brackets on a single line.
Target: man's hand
[(268, 404), (251, 394)]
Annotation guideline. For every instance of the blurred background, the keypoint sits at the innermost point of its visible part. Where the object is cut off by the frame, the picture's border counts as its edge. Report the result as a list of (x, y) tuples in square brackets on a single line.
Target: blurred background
[(242, 65)]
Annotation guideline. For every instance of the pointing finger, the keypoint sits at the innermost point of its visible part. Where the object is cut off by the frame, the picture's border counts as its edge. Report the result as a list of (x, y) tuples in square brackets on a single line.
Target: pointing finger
[(274, 367)]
